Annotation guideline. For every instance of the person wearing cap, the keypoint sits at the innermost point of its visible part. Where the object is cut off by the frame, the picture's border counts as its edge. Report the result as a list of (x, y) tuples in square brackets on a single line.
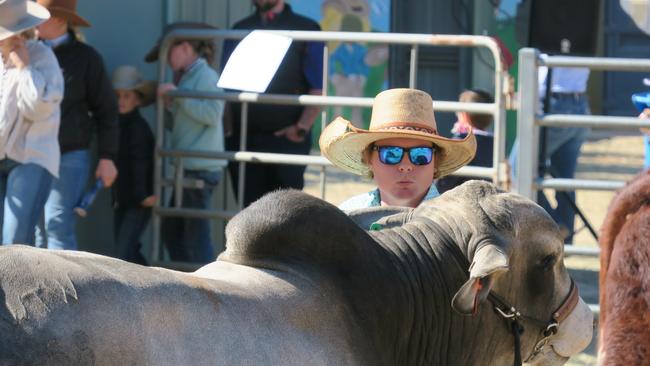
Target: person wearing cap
[(88, 105), (197, 125), (31, 89), (283, 129), (133, 190), (402, 150)]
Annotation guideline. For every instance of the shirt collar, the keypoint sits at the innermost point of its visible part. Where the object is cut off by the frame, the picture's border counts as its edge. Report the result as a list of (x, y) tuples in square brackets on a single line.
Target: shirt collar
[(56, 42), (431, 193)]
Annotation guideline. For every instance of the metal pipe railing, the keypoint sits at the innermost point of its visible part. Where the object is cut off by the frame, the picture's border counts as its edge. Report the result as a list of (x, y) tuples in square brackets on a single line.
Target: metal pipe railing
[(497, 109)]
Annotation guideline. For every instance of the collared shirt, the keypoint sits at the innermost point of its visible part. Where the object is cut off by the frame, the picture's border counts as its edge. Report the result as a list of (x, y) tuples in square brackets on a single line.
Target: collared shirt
[(565, 79), (56, 42), (30, 110), (373, 199)]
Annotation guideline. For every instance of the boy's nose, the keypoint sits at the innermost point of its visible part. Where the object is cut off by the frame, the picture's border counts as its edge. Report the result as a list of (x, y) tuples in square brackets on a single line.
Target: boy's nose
[(405, 165)]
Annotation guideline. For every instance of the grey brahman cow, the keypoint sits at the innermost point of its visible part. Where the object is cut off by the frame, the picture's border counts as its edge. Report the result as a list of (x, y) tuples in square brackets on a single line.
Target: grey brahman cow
[(474, 277)]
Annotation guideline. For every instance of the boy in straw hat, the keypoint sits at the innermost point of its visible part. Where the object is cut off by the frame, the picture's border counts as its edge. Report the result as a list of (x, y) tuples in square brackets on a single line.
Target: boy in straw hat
[(401, 150), (88, 107), (31, 88), (132, 192)]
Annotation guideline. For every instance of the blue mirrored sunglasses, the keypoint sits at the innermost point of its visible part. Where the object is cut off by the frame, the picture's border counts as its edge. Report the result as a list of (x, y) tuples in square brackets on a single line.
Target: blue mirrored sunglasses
[(391, 155)]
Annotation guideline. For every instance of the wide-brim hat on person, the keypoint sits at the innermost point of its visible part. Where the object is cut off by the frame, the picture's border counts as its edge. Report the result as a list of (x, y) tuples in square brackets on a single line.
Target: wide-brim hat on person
[(396, 113), (65, 9), (152, 55), (129, 78), (17, 16)]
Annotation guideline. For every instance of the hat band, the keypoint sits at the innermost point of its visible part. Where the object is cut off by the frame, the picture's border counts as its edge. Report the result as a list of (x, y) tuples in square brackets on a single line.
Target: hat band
[(407, 126), (12, 13)]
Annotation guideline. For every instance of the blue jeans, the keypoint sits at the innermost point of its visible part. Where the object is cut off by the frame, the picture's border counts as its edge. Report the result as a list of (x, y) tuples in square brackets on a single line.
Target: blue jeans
[(59, 219), (562, 151), (23, 189), (190, 240), (130, 222)]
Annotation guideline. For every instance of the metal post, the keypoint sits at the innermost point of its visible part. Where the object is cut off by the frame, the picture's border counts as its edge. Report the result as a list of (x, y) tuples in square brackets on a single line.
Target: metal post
[(158, 168), (323, 119), (527, 131), (178, 182), (242, 147), (499, 154), (413, 66)]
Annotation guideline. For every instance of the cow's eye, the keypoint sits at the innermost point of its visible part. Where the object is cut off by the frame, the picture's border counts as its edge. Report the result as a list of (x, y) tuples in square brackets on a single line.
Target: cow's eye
[(548, 262)]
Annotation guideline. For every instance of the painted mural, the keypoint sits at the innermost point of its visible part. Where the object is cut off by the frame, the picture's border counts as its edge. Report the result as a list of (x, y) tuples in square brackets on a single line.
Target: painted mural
[(356, 69)]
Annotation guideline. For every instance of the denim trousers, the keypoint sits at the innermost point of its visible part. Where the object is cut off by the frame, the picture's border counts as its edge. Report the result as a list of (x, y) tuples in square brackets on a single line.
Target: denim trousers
[(23, 189), (130, 222), (562, 152), (190, 240), (58, 230)]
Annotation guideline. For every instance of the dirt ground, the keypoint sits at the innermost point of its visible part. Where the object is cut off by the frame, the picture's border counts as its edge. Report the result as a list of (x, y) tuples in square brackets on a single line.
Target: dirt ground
[(606, 155)]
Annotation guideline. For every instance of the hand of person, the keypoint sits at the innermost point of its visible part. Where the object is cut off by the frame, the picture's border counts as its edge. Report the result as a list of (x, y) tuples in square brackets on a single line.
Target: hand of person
[(163, 89), (294, 133), (19, 56), (645, 115), (106, 171), (149, 201)]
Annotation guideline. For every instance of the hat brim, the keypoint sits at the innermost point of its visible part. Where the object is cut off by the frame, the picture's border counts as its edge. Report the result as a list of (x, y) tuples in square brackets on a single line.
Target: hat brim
[(36, 14), (152, 55), (72, 17), (344, 145), (146, 88)]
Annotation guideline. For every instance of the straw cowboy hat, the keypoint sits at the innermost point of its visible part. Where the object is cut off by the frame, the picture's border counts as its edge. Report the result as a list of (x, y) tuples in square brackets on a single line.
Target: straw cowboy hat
[(396, 113), (19, 15), (65, 9), (129, 78)]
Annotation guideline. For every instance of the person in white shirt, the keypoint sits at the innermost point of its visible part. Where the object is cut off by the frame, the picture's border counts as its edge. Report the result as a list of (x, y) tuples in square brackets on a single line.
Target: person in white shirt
[(562, 144), (31, 89)]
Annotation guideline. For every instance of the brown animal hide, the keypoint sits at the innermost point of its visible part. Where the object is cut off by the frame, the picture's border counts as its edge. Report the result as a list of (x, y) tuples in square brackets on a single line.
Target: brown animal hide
[(625, 277)]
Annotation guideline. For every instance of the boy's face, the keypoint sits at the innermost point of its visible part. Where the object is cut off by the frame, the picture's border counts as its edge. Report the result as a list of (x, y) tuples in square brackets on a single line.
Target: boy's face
[(402, 184), (52, 28), (127, 100)]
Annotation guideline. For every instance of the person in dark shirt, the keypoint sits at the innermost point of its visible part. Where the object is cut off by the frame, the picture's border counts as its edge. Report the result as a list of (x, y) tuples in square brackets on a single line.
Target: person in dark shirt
[(284, 129), (479, 124), (88, 107), (132, 192)]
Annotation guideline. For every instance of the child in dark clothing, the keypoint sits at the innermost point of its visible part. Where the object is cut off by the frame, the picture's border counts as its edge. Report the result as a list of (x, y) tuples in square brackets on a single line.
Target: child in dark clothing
[(479, 124), (132, 193)]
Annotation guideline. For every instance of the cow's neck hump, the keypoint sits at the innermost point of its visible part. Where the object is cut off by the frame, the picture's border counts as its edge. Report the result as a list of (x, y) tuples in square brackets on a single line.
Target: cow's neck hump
[(426, 274)]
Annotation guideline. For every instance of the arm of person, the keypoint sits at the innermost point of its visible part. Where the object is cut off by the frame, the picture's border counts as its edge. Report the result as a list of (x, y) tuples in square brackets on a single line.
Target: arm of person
[(102, 103), (645, 115), (205, 111), (40, 82), (301, 128), (312, 66)]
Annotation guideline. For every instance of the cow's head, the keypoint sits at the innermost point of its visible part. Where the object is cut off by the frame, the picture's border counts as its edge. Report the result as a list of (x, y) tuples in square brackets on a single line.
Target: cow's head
[(516, 252)]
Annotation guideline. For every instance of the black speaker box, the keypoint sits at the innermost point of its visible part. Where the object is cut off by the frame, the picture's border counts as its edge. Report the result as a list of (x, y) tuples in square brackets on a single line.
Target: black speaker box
[(566, 27)]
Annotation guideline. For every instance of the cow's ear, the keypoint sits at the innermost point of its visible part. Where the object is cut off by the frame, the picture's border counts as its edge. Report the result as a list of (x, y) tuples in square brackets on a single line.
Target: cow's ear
[(488, 261)]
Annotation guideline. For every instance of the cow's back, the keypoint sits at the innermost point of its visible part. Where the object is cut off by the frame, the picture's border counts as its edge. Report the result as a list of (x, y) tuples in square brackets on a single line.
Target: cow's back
[(80, 308)]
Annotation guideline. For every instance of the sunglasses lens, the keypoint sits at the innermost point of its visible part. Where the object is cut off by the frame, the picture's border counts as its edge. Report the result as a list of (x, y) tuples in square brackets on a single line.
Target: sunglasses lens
[(421, 155), (390, 155)]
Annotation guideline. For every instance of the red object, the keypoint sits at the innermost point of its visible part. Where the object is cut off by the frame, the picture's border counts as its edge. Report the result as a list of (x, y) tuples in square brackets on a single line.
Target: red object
[(506, 55)]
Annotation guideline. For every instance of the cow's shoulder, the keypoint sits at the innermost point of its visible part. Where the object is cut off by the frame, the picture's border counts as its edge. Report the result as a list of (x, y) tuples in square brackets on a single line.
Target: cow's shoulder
[(291, 226)]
